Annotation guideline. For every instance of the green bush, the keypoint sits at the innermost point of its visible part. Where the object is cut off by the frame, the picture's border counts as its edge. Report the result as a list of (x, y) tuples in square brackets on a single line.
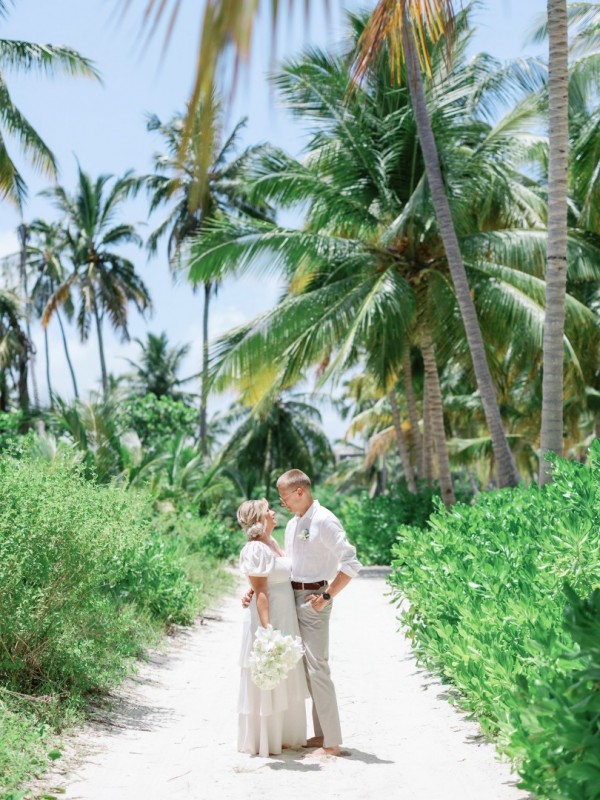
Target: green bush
[(11, 425), (557, 729), (155, 580), (154, 419), (62, 544), (88, 575), (21, 751), (485, 585), (372, 523)]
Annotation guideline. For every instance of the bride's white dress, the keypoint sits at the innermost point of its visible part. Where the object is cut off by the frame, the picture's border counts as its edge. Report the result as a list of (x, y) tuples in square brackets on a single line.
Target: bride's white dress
[(269, 718)]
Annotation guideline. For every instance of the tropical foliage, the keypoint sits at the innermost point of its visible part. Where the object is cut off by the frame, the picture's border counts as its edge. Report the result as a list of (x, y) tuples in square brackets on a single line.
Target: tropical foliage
[(18, 56), (437, 248), (486, 586), (105, 281)]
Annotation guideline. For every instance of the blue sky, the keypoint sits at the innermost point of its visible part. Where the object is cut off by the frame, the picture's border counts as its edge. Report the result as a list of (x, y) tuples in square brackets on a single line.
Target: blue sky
[(103, 127)]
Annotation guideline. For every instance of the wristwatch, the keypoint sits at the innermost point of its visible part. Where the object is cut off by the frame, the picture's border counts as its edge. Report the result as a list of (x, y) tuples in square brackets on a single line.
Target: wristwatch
[(326, 596)]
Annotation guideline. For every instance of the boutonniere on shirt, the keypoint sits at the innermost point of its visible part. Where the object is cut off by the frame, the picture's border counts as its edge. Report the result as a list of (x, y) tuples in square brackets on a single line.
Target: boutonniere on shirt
[(304, 534)]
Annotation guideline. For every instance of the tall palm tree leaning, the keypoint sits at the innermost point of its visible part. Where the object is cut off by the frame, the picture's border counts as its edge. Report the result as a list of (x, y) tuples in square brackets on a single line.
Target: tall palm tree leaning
[(393, 21), (556, 268), (106, 281), (28, 57), (401, 23), (223, 191)]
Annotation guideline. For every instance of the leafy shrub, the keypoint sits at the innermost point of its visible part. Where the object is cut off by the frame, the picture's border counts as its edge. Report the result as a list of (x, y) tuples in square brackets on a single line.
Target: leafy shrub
[(11, 425), (20, 749), (154, 419), (206, 534), (88, 573), (78, 562), (485, 585), (372, 523), (154, 578), (61, 539), (557, 730)]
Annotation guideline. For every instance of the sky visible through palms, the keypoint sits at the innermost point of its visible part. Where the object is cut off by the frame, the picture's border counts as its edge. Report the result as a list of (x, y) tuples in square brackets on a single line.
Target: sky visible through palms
[(104, 128)]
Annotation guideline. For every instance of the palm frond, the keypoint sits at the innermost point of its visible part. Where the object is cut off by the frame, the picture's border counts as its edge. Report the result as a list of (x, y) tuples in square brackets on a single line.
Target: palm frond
[(48, 58)]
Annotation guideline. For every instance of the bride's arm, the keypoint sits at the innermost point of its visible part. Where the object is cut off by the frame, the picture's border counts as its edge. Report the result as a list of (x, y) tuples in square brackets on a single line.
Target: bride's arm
[(262, 598)]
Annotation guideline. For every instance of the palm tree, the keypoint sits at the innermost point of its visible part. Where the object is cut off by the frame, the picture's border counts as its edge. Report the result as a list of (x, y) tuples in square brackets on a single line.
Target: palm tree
[(573, 196), (45, 251), (158, 367), (105, 280), (23, 234), (391, 21), (267, 441), (556, 270), (198, 202), (370, 265), (226, 32), (26, 56), (15, 351)]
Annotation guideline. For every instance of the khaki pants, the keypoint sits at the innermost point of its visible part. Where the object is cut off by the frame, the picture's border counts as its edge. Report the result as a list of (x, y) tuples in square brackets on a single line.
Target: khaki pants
[(314, 630)]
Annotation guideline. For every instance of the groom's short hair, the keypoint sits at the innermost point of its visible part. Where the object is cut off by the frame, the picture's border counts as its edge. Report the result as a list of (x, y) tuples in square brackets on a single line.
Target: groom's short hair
[(294, 478)]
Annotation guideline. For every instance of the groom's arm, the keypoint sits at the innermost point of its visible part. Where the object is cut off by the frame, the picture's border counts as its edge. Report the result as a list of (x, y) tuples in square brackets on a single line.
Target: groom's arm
[(334, 538)]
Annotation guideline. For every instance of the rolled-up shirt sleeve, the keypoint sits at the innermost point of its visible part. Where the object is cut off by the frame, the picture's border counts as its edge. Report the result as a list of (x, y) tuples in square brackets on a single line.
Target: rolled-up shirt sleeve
[(334, 538)]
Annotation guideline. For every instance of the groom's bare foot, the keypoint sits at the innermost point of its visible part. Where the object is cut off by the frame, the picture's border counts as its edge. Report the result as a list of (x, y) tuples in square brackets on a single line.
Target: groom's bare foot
[(315, 741), (326, 751)]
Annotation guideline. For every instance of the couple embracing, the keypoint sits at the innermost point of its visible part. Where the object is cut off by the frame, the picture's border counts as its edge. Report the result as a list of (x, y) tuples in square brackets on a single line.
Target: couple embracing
[(290, 590)]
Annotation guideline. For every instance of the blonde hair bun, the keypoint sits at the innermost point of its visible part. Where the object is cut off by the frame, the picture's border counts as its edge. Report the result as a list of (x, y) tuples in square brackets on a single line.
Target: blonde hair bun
[(251, 516)]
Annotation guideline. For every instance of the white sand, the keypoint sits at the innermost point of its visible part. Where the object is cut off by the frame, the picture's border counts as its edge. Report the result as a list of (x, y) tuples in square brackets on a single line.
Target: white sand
[(172, 731)]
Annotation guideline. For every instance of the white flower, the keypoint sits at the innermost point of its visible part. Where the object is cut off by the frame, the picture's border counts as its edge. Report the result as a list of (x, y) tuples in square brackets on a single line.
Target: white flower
[(304, 534), (273, 656)]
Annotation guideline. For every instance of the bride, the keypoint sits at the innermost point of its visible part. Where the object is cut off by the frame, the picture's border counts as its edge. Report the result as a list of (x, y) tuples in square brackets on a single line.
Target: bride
[(269, 719)]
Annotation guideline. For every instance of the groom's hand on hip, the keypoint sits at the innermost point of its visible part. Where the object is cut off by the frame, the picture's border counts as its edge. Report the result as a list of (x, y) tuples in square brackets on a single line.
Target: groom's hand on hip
[(316, 601)]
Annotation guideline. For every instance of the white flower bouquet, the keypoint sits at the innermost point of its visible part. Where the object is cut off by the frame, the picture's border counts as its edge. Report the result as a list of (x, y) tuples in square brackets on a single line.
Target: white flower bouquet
[(273, 655)]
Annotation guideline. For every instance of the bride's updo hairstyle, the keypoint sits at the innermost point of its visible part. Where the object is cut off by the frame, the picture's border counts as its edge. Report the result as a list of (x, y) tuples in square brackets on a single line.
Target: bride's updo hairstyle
[(252, 515)]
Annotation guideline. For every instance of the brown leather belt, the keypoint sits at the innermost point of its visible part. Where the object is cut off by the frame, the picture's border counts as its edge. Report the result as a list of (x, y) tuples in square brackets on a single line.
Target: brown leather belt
[(317, 585)]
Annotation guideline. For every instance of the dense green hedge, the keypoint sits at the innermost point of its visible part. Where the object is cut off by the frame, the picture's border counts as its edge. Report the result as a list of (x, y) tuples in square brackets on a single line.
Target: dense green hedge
[(372, 523), (486, 585), (89, 575)]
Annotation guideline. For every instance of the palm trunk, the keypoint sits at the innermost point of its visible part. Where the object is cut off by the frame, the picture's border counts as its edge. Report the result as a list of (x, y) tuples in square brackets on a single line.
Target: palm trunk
[(437, 424), (23, 236), (22, 388), (268, 468), (427, 437), (401, 444), (556, 268), (473, 482), (49, 382), (67, 355), (204, 387), (101, 350), (413, 413), (3, 391), (507, 471)]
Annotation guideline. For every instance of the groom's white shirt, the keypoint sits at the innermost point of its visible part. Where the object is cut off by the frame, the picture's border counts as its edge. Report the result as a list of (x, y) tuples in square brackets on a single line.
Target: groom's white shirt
[(318, 547)]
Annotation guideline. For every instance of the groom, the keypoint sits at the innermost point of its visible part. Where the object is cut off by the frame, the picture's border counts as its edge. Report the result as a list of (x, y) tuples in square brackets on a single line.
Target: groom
[(317, 545)]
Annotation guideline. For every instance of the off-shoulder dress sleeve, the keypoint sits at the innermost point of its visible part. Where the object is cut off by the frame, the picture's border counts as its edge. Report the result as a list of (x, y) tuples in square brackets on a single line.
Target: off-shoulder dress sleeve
[(256, 559)]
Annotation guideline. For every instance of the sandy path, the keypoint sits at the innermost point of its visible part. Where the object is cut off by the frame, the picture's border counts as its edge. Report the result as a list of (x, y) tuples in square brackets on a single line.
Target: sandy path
[(173, 729)]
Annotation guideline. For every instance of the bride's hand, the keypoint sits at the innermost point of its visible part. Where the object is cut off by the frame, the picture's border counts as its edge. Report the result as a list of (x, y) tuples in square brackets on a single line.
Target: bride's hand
[(247, 598)]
